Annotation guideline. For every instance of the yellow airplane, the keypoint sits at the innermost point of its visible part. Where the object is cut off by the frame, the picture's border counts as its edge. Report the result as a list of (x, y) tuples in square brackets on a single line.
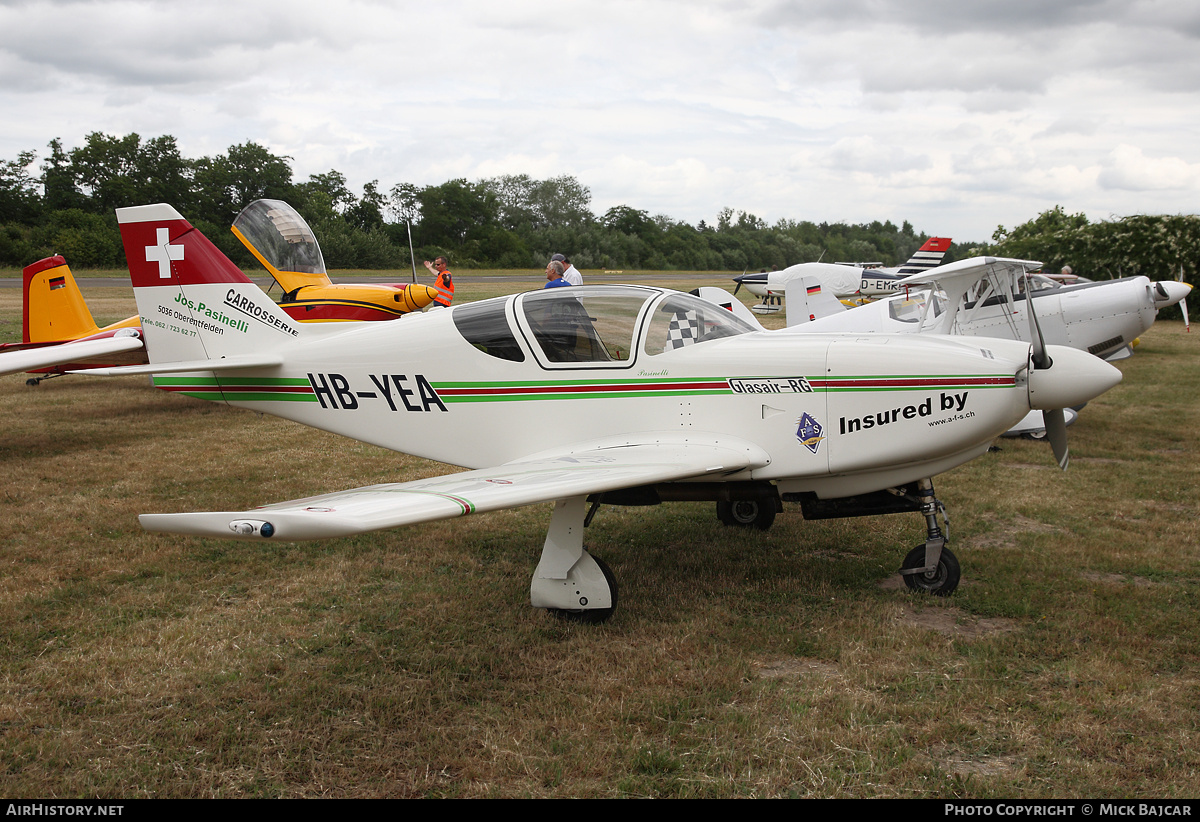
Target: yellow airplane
[(60, 334), (281, 240)]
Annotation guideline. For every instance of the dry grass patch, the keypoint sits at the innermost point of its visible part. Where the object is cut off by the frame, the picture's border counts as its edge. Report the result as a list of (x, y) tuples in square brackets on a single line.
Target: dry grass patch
[(954, 623), (795, 669), (958, 763), (1006, 532)]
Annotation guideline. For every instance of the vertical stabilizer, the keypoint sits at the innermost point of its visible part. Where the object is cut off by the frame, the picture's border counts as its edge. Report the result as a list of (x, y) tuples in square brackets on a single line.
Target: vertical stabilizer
[(54, 309), (808, 300), (927, 256), (194, 303)]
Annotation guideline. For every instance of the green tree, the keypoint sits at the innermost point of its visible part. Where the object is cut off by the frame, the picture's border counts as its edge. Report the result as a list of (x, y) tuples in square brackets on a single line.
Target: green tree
[(333, 184), (404, 203), (113, 172), (454, 213), (20, 201), (367, 213), (227, 183), (58, 182)]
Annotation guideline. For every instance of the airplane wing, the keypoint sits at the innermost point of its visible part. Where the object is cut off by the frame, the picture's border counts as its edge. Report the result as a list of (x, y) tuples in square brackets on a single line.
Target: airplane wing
[(958, 279), (971, 268), (31, 359), (588, 469)]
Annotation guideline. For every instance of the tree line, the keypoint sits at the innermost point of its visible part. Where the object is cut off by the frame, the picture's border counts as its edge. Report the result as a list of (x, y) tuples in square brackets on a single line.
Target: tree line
[(63, 202)]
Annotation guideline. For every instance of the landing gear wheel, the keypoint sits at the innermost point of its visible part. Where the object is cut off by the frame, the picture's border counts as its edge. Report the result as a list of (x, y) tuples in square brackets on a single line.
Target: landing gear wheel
[(593, 616), (747, 513), (940, 582)]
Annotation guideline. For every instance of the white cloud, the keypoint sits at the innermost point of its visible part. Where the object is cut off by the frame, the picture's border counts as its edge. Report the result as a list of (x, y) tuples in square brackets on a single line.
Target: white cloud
[(1129, 169), (964, 115)]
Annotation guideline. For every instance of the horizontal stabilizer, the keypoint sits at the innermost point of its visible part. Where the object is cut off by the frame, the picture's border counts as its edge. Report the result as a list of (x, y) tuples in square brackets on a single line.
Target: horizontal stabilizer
[(234, 363), (569, 473), (32, 359)]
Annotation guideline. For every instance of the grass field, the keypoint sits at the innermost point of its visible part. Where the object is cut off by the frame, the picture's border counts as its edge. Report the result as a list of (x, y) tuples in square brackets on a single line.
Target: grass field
[(409, 663)]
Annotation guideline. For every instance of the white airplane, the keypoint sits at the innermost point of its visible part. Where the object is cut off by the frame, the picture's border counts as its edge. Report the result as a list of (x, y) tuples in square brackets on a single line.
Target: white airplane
[(845, 280), (649, 390), (990, 297)]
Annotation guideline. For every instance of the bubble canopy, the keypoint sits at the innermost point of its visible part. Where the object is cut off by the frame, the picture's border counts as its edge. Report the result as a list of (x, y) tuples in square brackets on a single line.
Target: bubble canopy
[(281, 240), (597, 325)]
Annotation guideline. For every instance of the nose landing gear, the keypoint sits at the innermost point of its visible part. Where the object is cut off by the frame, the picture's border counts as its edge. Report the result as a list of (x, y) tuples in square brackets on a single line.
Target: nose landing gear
[(931, 566)]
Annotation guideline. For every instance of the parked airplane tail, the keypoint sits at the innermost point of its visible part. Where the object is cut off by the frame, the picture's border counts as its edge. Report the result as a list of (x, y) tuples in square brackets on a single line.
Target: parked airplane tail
[(54, 309), (808, 300), (927, 256), (194, 303)]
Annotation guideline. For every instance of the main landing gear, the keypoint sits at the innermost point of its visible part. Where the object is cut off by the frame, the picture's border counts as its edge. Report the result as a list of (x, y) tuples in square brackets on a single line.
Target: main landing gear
[(747, 513), (568, 580), (931, 567)]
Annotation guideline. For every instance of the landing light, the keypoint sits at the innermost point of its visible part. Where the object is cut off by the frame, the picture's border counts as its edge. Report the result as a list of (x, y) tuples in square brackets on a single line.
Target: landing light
[(246, 527)]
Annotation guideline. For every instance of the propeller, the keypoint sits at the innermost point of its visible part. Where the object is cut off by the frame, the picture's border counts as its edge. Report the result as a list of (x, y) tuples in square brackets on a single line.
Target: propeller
[(1054, 418), (1068, 380), (1173, 292), (1187, 325), (738, 280)]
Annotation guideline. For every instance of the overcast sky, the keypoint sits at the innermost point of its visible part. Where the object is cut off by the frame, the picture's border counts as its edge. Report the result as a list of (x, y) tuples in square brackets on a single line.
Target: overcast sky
[(955, 115)]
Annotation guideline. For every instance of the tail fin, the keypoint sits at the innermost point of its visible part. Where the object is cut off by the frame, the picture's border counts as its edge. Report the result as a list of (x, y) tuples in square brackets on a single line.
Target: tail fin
[(194, 303), (927, 256), (54, 309), (808, 300)]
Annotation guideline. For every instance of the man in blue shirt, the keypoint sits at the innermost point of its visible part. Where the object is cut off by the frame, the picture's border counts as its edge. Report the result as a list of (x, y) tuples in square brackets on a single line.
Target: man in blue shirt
[(554, 275)]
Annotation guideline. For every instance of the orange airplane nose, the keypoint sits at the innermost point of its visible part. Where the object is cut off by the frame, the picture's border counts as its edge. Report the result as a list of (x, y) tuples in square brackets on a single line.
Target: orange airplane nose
[(415, 297)]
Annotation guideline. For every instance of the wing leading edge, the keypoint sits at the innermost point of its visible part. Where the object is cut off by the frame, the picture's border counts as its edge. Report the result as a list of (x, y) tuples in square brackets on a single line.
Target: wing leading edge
[(568, 473)]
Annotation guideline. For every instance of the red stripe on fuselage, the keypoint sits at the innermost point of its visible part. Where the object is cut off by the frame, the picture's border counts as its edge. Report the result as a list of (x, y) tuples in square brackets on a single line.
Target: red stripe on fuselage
[(579, 389), (318, 311), (925, 382)]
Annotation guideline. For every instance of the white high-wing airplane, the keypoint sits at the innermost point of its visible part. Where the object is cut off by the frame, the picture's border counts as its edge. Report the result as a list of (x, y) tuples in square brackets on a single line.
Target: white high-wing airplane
[(843, 279), (654, 395), (990, 297)]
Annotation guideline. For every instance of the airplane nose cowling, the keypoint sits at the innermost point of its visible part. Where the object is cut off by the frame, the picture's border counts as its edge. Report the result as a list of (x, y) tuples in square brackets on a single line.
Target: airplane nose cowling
[(1073, 378), (1169, 292)]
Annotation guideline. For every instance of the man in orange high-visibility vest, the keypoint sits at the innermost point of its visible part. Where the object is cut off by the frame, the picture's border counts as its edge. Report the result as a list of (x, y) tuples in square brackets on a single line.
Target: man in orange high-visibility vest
[(444, 284)]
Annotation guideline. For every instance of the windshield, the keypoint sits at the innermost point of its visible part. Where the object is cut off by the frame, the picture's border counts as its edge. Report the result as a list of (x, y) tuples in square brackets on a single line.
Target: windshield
[(913, 309)]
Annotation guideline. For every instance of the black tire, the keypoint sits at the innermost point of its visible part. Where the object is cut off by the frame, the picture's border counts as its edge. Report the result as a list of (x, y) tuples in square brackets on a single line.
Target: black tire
[(940, 583), (747, 513), (593, 616)]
